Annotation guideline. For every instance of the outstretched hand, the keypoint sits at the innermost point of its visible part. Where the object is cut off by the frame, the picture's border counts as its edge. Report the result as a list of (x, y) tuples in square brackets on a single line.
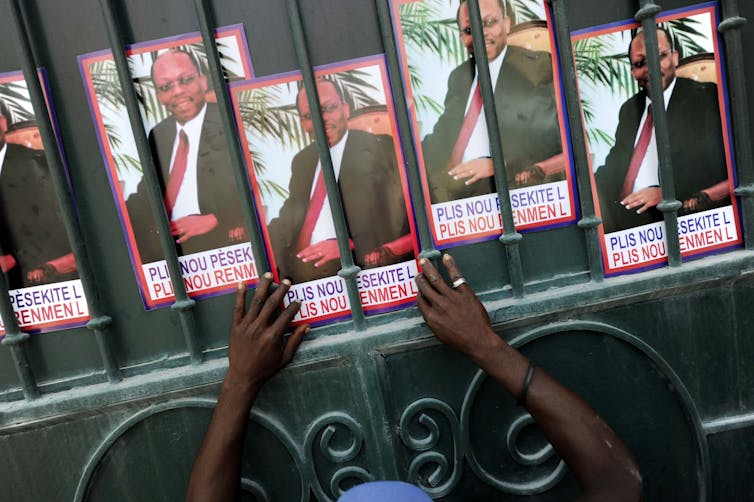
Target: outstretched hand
[(257, 348), (454, 314)]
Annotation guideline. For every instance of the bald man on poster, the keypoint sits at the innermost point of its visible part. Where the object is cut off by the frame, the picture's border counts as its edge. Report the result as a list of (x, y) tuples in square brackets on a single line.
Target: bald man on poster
[(303, 234), (526, 113), (629, 197), (193, 166)]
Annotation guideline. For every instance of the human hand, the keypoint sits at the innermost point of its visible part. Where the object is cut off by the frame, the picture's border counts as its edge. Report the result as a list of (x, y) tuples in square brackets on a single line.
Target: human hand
[(644, 199), (530, 176), (238, 234), (192, 226), (474, 170), (697, 202), (323, 251), (455, 315), (7, 262), (379, 257), (257, 348)]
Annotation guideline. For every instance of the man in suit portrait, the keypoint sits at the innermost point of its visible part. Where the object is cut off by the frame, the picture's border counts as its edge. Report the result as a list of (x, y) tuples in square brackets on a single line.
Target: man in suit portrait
[(34, 247), (303, 234), (457, 151), (628, 184), (193, 166)]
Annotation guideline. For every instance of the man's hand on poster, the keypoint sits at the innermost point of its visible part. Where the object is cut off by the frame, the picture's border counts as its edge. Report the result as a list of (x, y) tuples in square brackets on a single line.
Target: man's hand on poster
[(238, 234), (644, 199), (379, 257), (7, 262), (53, 268), (700, 201), (192, 226), (322, 252), (474, 170), (531, 175)]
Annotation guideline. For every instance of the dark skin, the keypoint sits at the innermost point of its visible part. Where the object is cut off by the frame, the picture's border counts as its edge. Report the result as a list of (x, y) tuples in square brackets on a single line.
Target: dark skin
[(602, 464), (257, 350)]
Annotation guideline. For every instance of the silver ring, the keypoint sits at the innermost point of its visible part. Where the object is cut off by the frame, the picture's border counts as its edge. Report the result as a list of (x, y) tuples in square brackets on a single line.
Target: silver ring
[(458, 282)]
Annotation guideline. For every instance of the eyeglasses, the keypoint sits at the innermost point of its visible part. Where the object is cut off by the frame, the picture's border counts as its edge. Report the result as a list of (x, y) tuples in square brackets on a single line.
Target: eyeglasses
[(486, 23), (182, 81), (638, 65), (326, 109)]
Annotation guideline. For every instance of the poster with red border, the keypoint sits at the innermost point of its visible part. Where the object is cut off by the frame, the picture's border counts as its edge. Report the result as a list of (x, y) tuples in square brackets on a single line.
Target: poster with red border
[(35, 253), (215, 254), (283, 165), (456, 171), (612, 84)]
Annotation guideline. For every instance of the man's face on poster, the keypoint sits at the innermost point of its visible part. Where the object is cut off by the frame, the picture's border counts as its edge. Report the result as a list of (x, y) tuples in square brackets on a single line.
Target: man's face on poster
[(179, 84), (638, 58), (335, 112), (496, 27)]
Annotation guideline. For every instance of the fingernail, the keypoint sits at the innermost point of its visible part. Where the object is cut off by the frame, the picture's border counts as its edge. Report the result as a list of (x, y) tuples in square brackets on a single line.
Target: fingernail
[(423, 262), (307, 329), (455, 177), (446, 257), (240, 285), (287, 282), (267, 275)]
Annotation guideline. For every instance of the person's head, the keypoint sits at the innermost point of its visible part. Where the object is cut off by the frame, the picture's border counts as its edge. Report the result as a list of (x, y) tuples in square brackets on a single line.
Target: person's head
[(335, 111), (4, 119), (179, 83), (495, 22), (637, 56)]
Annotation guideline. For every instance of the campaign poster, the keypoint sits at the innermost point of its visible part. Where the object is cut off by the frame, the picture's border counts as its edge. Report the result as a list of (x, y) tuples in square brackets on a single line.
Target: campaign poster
[(191, 157), (286, 174), (613, 80), (35, 254), (449, 128)]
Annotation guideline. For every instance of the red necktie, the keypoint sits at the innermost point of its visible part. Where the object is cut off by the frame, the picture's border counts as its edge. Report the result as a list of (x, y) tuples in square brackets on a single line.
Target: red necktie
[(177, 172), (469, 122), (640, 150), (312, 214)]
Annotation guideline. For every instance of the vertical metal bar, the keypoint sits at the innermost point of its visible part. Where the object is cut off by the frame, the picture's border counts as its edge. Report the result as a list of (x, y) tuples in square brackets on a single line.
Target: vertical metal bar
[(669, 205), (510, 238), (206, 26), (409, 150), (183, 304), (349, 270), (99, 321), (16, 339), (589, 221), (730, 27)]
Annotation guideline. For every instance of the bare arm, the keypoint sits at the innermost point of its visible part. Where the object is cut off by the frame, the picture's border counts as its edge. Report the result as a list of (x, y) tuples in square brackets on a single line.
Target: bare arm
[(602, 464), (257, 349)]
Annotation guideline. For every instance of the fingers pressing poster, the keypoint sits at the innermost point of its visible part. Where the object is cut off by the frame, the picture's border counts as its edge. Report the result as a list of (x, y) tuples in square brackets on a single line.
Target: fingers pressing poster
[(190, 153), (613, 78), (35, 253), (289, 187), (450, 129)]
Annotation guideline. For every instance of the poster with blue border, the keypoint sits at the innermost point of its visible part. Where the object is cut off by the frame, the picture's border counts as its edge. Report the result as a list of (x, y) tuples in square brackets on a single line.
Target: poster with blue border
[(438, 70), (284, 166), (205, 216), (626, 181)]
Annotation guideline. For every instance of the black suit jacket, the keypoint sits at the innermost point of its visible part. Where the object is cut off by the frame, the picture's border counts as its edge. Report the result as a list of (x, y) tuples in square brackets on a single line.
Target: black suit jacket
[(31, 226), (526, 114), (697, 151), (215, 182), (372, 199)]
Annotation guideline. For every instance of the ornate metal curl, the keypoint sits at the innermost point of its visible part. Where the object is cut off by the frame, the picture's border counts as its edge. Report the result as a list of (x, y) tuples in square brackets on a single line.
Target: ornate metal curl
[(416, 411), (326, 428)]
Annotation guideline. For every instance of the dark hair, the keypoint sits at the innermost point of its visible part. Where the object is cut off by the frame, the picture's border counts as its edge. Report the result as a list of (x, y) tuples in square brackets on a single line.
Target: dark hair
[(503, 4), (660, 27), (176, 50)]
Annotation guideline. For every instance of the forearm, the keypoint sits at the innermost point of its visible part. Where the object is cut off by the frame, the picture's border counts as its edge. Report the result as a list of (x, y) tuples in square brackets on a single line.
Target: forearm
[(216, 475), (594, 453)]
